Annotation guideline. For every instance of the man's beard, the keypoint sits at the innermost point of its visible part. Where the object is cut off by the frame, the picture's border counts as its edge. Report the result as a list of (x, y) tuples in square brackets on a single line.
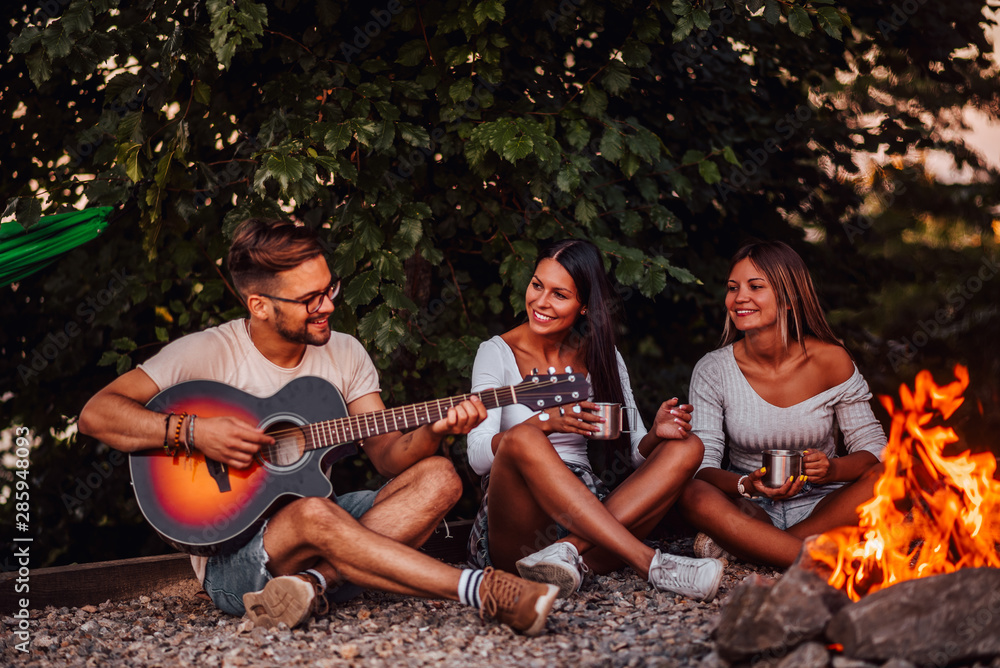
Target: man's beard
[(302, 334)]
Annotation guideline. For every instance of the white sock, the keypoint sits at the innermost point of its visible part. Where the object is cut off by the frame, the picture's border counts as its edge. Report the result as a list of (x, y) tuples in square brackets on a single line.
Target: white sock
[(468, 587)]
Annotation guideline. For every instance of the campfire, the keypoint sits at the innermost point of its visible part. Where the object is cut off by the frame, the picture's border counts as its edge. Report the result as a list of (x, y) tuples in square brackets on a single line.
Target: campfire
[(932, 513), (918, 581)]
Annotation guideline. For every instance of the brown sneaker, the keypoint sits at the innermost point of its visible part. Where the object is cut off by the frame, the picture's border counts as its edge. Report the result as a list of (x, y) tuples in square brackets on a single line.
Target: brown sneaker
[(291, 599), (524, 606)]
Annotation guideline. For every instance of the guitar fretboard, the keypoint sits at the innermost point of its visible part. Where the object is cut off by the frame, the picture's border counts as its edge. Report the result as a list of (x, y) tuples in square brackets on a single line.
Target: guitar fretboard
[(366, 425)]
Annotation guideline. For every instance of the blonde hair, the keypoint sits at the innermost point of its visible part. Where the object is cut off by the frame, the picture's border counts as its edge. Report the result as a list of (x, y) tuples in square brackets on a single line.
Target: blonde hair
[(793, 288)]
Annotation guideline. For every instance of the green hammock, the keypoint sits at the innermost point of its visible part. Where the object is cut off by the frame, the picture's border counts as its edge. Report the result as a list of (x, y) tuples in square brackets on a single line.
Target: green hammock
[(22, 253)]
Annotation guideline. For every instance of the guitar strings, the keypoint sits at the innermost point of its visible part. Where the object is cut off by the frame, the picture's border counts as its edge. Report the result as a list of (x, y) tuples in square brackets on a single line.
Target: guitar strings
[(361, 419)]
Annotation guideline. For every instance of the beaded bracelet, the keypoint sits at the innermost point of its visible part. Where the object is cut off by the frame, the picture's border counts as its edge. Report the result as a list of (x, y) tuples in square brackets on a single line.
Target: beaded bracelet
[(166, 433), (177, 434)]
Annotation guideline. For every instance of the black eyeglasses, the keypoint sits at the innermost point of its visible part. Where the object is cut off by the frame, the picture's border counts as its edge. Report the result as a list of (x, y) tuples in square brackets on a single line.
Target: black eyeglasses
[(313, 303)]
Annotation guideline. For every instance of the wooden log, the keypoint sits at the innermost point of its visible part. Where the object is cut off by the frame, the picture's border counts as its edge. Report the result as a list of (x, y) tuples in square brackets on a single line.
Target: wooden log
[(125, 579)]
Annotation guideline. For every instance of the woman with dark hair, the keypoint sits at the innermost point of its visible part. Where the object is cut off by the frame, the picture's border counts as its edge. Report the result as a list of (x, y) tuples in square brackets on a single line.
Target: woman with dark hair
[(545, 511), (781, 380)]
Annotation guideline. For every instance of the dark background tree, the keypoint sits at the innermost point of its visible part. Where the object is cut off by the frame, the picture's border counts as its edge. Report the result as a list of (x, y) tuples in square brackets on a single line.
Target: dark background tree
[(437, 144)]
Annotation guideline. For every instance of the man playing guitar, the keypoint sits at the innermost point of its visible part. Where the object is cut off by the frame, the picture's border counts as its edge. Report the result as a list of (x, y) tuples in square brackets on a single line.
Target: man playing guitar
[(314, 543)]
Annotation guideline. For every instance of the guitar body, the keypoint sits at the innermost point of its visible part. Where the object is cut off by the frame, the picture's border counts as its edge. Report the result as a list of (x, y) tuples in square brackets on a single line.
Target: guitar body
[(202, 507)]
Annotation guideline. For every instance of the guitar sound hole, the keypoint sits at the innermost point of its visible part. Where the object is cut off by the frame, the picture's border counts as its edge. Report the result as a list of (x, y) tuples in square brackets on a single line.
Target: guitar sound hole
[(289, 444)]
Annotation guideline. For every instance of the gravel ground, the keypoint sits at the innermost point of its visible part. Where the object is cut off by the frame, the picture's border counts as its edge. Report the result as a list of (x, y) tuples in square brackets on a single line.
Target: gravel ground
[(616, 620)]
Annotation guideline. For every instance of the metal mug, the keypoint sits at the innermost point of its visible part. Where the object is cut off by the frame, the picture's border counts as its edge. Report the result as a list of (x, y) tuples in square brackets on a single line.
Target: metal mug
[(611, 428), (781, 465)]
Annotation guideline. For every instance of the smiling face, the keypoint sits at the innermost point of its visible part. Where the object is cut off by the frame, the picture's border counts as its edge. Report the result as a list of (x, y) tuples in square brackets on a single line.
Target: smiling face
[(750, 298), (292, 321), (551, 300)]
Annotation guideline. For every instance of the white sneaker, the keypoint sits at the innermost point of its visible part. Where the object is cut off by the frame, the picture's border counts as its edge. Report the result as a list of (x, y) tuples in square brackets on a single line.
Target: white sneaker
[(559, 564), (695, 578), (705, 547)]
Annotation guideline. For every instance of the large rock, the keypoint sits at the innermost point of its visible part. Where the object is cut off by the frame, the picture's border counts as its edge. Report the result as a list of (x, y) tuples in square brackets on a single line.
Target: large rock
[(937, 620), (763, 619)]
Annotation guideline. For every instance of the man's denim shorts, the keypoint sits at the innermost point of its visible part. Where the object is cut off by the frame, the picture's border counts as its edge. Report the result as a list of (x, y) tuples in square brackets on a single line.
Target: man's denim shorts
[(228, 577)]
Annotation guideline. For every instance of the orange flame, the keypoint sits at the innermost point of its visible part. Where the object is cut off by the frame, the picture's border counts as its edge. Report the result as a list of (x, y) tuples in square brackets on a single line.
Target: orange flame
[(931, 513)]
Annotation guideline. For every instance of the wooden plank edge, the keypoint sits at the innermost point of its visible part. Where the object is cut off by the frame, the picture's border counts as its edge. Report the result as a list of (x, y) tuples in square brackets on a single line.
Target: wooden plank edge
[(124, 579)]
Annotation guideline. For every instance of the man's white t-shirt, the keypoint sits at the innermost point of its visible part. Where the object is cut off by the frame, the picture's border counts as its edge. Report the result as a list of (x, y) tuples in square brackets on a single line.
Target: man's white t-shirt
[(227, 355)]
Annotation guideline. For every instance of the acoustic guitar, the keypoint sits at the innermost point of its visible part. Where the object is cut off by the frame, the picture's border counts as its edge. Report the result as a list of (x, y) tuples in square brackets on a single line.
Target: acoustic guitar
[(203, 507)]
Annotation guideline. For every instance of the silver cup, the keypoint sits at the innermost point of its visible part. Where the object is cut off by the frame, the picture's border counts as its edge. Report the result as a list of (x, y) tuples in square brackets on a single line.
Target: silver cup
[(611, 428), (781, 465)]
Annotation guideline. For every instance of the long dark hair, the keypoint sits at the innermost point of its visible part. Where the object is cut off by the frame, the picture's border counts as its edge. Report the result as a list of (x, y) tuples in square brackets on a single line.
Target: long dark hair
[(596, 331), (785, 270)]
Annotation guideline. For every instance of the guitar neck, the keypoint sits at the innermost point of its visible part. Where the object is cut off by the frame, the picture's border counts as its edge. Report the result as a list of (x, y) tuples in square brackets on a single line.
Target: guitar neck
[(366, 425)]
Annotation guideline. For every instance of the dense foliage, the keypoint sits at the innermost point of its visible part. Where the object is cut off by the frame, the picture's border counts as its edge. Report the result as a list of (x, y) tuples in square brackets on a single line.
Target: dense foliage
[(438, 143)]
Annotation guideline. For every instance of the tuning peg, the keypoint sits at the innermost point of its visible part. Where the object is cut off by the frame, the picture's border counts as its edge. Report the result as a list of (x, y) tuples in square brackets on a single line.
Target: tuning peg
[(534, 372), (543, 416), (552, 369), (568, 369), (577, 409)]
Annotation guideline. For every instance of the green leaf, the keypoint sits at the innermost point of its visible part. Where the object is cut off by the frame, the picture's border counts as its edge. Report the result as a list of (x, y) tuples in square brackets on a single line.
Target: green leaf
[(635, 53), (202, 92), (412, 53), (709, 172), (682, 275), (161, 334), (754, 6), (772, 11), (692, 156), (128, 155), (628, 271), (27, 211), (653, 281), (568, 179), (286, 168), (338, 137), (701, 19), (616, 77), (461, 90), (362, 289), (595, 100), (629, 164), (108, 358), (56, 41), (370, 324), (396, 298), (682, 29), (799, 21), (489, 10), (612, 145), (517, 148), (39, 66), (829, 19), (585, 211), (730, 155)]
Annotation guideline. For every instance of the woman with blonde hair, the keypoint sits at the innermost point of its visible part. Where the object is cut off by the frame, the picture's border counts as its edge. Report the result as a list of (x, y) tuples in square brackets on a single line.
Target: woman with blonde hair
[(781, 380)]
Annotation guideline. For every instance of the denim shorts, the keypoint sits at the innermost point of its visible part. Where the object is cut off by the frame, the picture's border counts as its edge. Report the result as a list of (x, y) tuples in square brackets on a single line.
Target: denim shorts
[(229, 576), (787, 513), (479, 536)]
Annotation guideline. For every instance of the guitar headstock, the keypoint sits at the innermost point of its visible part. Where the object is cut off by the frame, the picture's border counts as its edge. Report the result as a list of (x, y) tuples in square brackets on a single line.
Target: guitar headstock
[(542, 390)]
